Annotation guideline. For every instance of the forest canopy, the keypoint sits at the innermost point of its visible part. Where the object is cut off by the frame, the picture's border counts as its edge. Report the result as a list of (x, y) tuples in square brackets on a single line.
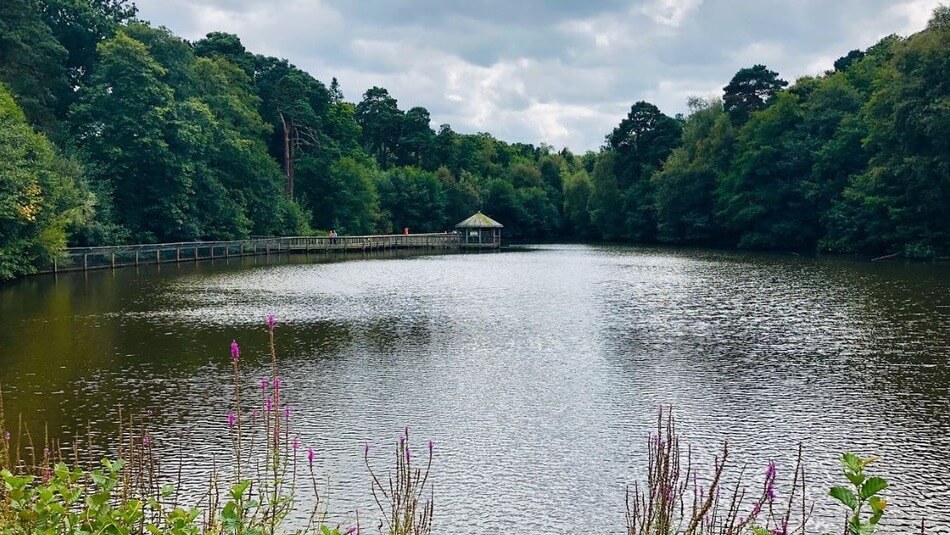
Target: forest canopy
[(113, 131)]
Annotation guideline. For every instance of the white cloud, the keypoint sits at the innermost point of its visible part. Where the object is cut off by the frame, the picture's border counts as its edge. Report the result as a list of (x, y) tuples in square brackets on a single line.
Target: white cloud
[(560, 72), (669, 12)]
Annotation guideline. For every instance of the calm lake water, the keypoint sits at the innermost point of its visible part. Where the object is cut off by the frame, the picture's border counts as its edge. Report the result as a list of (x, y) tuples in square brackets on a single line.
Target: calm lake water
[(537, 373)]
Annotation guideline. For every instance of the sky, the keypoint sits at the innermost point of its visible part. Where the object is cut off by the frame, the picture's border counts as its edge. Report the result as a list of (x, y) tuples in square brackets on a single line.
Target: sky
[(561, 72)]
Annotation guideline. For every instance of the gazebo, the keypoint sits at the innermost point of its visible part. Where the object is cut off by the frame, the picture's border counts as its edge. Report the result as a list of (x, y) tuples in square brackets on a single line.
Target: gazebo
[(480, 232)]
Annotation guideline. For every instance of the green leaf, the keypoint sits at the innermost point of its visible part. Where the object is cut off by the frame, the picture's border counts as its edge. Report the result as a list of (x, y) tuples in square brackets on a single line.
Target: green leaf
[(872, 486), (852, 462), (855, 479), (238, 490), (845, 496)]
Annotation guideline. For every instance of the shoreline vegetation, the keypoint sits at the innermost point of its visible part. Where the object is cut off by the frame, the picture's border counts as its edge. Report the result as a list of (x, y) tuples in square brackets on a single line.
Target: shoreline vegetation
[(113, 131), (49, 488)]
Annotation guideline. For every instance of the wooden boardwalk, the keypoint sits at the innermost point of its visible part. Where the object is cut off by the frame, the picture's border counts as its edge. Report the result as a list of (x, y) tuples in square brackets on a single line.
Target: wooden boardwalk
[(87, 258)]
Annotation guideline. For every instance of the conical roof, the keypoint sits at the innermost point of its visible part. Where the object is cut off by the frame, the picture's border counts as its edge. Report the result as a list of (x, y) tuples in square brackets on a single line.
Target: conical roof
[(479, 220)]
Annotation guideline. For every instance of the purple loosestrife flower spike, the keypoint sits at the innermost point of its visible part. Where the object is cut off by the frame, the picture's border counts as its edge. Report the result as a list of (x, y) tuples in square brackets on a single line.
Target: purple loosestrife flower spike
[(268, 405), (770, 481), (270, 321), (430, 447), (365, 447), (146, 440), (263, 384), (235, 351), (231, 419), (310, 456), (295, 443), (286, 412)]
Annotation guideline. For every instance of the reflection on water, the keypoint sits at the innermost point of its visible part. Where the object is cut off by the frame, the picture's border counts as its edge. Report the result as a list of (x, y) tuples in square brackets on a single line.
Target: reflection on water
[(537, 373)]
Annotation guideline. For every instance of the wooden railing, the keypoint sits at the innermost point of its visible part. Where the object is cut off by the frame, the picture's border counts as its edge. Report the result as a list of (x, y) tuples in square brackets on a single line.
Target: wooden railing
[(86, 258)]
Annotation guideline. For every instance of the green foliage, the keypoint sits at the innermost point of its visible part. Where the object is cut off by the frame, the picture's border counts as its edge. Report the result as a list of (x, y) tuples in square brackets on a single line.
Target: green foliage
[(70, 502), (349, 203), (864, 491), (32, 62), (413, 198), (38, 194), (751, 89)]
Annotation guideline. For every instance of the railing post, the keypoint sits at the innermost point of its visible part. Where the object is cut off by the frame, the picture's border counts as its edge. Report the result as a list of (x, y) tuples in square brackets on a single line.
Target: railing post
[(55, 266), (136, 257), (113, 259), (85, 262), (177, 254), (196, 253), (158, 256)]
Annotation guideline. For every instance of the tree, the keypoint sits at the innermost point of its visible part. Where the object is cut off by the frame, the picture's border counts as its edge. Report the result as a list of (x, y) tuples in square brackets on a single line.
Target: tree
[(38, 194), (577, 194), (348, 202), (845, 61), (32, 62), (606, 202), (294, 103), (640, 144), (413, 198), (80, 25), (899, 204), (751, 89), (762, 199), (416, 140), (381, 121), (227, 46), (238, 156)]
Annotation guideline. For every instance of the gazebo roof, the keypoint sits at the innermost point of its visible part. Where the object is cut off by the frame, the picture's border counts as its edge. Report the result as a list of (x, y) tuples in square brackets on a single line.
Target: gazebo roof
[(479, 220)]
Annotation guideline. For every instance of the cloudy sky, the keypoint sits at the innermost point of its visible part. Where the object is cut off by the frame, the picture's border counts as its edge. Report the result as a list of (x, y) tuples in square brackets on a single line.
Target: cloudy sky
[(557, 71)]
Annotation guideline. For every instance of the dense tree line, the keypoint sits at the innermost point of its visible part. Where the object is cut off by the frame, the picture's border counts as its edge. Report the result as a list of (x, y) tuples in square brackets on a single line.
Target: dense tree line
[(113, 131)]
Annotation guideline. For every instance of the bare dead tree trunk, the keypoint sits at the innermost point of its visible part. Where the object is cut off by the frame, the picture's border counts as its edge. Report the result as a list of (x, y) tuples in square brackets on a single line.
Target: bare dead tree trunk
[(288, 159)]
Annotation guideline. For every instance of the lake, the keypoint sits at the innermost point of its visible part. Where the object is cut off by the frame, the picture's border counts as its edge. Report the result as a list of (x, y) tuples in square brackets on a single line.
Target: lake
[(537, 373)]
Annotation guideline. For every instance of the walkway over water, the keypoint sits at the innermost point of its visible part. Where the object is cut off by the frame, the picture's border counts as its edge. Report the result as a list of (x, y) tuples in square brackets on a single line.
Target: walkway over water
[(86, 258)]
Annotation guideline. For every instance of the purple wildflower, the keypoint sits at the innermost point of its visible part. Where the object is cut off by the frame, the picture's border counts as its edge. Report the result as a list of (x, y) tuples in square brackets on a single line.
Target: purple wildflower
[(310, 456), (770, 481), (268, 405), (365, 448), (235, 351), (148, 412), (231, 419), (276, 383), (271, 321), (146, 440), (263, 384), (430, 447), (295, 443), (286, 412)]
